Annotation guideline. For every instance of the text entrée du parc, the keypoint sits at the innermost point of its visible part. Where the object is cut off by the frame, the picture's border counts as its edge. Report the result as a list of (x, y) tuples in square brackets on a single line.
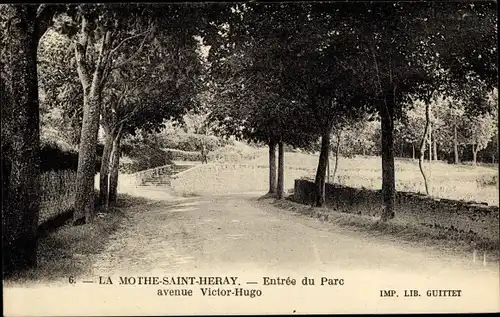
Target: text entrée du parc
[(215, 285), (227, 286)]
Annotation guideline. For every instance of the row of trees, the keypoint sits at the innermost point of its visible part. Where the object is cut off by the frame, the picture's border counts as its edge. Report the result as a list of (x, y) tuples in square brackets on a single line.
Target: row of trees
[(119, 68), (452, 130), (291, 73), (455, 136)]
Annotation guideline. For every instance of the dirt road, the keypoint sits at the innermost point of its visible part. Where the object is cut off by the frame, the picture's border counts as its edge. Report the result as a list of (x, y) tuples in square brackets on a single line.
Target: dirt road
[(240, 232), (239, 236)]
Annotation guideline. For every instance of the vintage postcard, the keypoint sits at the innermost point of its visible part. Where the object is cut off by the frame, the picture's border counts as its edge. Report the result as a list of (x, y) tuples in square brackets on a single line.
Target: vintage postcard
[(231, 158)]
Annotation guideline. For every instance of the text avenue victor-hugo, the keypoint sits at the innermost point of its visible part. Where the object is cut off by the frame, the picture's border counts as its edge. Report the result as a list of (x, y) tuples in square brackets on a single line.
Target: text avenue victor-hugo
[(216, 285)]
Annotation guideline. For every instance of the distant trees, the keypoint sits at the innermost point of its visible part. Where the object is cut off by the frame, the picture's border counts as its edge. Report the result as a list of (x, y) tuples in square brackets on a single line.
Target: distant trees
[(356, 138), (454, 129), (479, 132)]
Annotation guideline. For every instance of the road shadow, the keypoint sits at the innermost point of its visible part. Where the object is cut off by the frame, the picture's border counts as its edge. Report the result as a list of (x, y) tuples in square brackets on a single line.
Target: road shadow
[(67, 251)]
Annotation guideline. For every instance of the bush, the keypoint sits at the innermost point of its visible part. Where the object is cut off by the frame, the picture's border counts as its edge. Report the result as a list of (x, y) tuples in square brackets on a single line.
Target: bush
[(53, 158), (191, 142), (228, 153), (179, 155), (487, 180), (142, 157)]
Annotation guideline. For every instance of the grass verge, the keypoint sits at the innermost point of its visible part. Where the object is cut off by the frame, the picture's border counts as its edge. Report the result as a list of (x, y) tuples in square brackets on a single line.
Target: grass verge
[(68, 251), (412, 233)]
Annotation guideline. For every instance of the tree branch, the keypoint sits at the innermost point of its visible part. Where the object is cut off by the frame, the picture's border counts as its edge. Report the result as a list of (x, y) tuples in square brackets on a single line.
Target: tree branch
[(380, 83), (80, 52), (107, 66), (119, 133), (110, 114), (101, 61), (139, 50), (132, 113), (40, 11), (377, 70), (128, 39), (122, 96), (44, 15)]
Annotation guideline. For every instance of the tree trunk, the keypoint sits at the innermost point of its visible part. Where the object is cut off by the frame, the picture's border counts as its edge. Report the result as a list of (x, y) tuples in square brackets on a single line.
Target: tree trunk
[(328, 170), (272, 167), (455, 142), (422, 147), (474, 154), (281, 171), (388, 172), (21, 141), (84, 198), (92, 88), (429, 179), (434, 148), (337, 155), (105, 163), (321, 171), (114, 169), (413, 151)]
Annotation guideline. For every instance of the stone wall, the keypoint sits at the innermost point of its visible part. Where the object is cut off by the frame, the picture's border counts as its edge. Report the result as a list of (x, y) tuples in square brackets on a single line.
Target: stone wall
[(451, 215)]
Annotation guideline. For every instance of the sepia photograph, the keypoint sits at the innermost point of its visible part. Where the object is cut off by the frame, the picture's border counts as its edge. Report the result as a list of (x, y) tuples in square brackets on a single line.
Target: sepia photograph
[(249, 157)]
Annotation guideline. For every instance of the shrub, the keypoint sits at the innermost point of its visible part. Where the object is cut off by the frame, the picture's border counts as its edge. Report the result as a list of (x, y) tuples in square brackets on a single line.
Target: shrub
[(227, 153), (191, 142), (487, 180), (179, 155), (53, 158), (56, 157), (142, 157)]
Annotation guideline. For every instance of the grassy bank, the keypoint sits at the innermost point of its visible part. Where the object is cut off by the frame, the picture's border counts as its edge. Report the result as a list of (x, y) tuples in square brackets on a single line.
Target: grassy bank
[(460, 182), (68, 251), (398, 229)]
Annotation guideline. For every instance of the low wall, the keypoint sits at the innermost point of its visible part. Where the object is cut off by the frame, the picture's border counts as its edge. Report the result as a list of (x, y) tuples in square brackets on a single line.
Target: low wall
[(142, 176), (451, 215), (222, 178)]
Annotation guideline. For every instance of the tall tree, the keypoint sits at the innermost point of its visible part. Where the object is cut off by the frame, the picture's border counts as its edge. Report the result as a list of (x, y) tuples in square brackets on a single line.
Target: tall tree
[(247, 74), (23, 26), (162, 86), (413, 48), (97, 49)]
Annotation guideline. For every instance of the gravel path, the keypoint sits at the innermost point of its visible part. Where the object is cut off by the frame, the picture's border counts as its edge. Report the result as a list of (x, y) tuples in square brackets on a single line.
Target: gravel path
[(238, 231)]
